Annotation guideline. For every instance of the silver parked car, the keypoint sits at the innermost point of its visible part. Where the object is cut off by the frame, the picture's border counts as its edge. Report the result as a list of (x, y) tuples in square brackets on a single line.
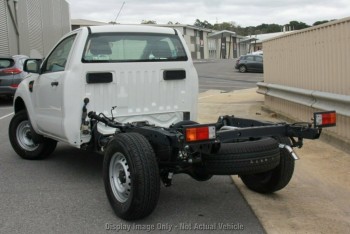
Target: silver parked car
[(251, 62), (11, 73)]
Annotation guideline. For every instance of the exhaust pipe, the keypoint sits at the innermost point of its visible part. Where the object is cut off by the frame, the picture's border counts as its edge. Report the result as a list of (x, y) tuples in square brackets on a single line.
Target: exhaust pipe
[(290, 151)]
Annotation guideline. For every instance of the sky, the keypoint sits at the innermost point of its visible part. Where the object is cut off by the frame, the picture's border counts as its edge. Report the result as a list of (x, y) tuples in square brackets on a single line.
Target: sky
[(242, 12)]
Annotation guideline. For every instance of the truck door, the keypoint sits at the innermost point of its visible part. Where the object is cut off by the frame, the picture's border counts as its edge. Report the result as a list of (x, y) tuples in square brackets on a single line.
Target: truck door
[(48, 90)]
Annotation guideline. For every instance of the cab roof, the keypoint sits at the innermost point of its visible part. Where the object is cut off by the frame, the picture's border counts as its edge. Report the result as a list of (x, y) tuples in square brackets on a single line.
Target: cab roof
[(131, 28)]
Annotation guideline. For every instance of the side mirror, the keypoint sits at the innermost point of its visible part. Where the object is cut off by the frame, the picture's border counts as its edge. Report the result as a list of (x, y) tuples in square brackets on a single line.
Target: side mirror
[(32, 65)]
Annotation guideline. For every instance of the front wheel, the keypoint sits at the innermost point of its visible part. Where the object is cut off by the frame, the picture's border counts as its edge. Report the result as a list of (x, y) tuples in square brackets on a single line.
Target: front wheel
[(131, 176), (275, 179), (21, 138)]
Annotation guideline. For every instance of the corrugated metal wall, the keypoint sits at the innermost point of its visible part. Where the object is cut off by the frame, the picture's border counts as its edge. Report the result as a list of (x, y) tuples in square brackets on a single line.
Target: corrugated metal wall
[(4, 39), (316, 58), (312, 59), (41, 24), (35, 23)]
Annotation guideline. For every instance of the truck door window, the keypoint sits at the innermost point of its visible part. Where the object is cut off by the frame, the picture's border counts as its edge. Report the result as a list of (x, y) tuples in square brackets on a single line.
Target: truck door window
[(58, 58)]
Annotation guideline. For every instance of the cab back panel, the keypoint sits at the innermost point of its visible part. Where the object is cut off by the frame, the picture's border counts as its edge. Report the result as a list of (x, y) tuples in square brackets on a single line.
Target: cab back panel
[(142, 94)]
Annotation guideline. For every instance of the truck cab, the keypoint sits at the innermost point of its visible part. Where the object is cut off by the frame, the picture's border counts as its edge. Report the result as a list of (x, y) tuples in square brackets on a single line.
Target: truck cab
[(137, 73)]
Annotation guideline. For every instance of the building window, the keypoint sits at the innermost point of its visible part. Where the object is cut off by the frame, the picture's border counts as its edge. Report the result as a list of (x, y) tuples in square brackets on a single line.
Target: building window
[(193, 40)]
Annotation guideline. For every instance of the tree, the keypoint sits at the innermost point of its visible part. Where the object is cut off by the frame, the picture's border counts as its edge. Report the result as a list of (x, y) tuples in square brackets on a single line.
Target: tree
[(320, 22), (204, 24), (251, 30), (296, 25), (148, 22), (224, 26), (271, 28), (170, 23)]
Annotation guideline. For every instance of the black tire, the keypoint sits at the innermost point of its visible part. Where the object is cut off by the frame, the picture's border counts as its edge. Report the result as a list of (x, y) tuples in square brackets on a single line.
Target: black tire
[(131, 176), (275, 179), (243, 158), (242, 69), (20, 134)]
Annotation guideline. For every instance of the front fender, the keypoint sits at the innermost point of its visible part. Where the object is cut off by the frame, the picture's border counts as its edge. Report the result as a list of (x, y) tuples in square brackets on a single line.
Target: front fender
[(23, 100)]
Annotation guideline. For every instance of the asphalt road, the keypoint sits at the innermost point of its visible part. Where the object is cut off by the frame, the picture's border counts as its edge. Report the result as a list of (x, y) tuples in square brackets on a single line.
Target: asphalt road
[(65, 193), (221, 75)]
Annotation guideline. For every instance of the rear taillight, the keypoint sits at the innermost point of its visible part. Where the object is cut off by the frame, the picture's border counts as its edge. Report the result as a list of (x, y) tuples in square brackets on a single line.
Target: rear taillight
[(11, 71), (14, 85), (325, 119), (200, 133)]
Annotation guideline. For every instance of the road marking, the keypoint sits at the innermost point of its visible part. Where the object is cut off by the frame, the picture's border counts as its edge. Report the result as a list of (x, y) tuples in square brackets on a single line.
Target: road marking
[(5, 116)]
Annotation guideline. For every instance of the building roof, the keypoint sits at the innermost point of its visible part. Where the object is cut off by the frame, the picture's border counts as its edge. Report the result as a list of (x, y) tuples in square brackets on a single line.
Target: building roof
[(223, 33), (248, 39), (262, 37)]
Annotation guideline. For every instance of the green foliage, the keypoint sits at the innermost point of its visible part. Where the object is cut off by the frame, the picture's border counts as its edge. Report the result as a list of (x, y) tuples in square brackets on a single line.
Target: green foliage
[(148, 22), (320, 22), (251, 30), (296, 25), (204, 24)]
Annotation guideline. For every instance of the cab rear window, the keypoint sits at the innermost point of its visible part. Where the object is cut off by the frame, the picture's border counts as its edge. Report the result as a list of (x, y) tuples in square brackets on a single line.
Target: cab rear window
[(6, 63), (133, 47)]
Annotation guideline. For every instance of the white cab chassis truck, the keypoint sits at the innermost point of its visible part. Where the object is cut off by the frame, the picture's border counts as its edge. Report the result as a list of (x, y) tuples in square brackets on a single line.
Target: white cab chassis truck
[(130, 93)]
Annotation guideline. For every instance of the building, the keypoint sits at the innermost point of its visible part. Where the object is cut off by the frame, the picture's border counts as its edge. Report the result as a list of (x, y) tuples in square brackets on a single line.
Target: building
[(255, 42), (224, 44), (32, 27), (203, 43)]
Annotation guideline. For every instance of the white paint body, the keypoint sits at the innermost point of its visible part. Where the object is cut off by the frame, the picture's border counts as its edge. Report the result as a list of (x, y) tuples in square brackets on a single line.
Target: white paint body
[(138, 90)]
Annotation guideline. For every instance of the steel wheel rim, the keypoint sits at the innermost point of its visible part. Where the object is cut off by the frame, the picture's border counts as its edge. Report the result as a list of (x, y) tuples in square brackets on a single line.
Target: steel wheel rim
[(120, 177), (242, 69), (24, 136)]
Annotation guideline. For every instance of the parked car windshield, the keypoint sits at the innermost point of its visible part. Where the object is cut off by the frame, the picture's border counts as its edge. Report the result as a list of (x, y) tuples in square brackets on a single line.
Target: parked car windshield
[(133, 47)]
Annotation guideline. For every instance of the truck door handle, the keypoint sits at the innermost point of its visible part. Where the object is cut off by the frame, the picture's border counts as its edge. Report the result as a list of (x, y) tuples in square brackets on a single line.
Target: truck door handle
[(54, 83)]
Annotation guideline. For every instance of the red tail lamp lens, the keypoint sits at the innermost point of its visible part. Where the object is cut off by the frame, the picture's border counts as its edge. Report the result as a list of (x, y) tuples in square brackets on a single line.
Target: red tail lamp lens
[(12, 71), (201, 133), (325, 119)]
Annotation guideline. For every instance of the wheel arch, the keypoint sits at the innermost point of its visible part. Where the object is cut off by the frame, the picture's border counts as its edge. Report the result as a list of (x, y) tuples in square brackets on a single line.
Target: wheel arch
[(19, 105)]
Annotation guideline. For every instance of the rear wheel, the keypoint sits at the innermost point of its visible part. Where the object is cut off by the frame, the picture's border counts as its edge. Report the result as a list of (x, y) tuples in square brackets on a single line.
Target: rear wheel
[(275, 179), (21, 138), (131, 176), (242, 68)]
